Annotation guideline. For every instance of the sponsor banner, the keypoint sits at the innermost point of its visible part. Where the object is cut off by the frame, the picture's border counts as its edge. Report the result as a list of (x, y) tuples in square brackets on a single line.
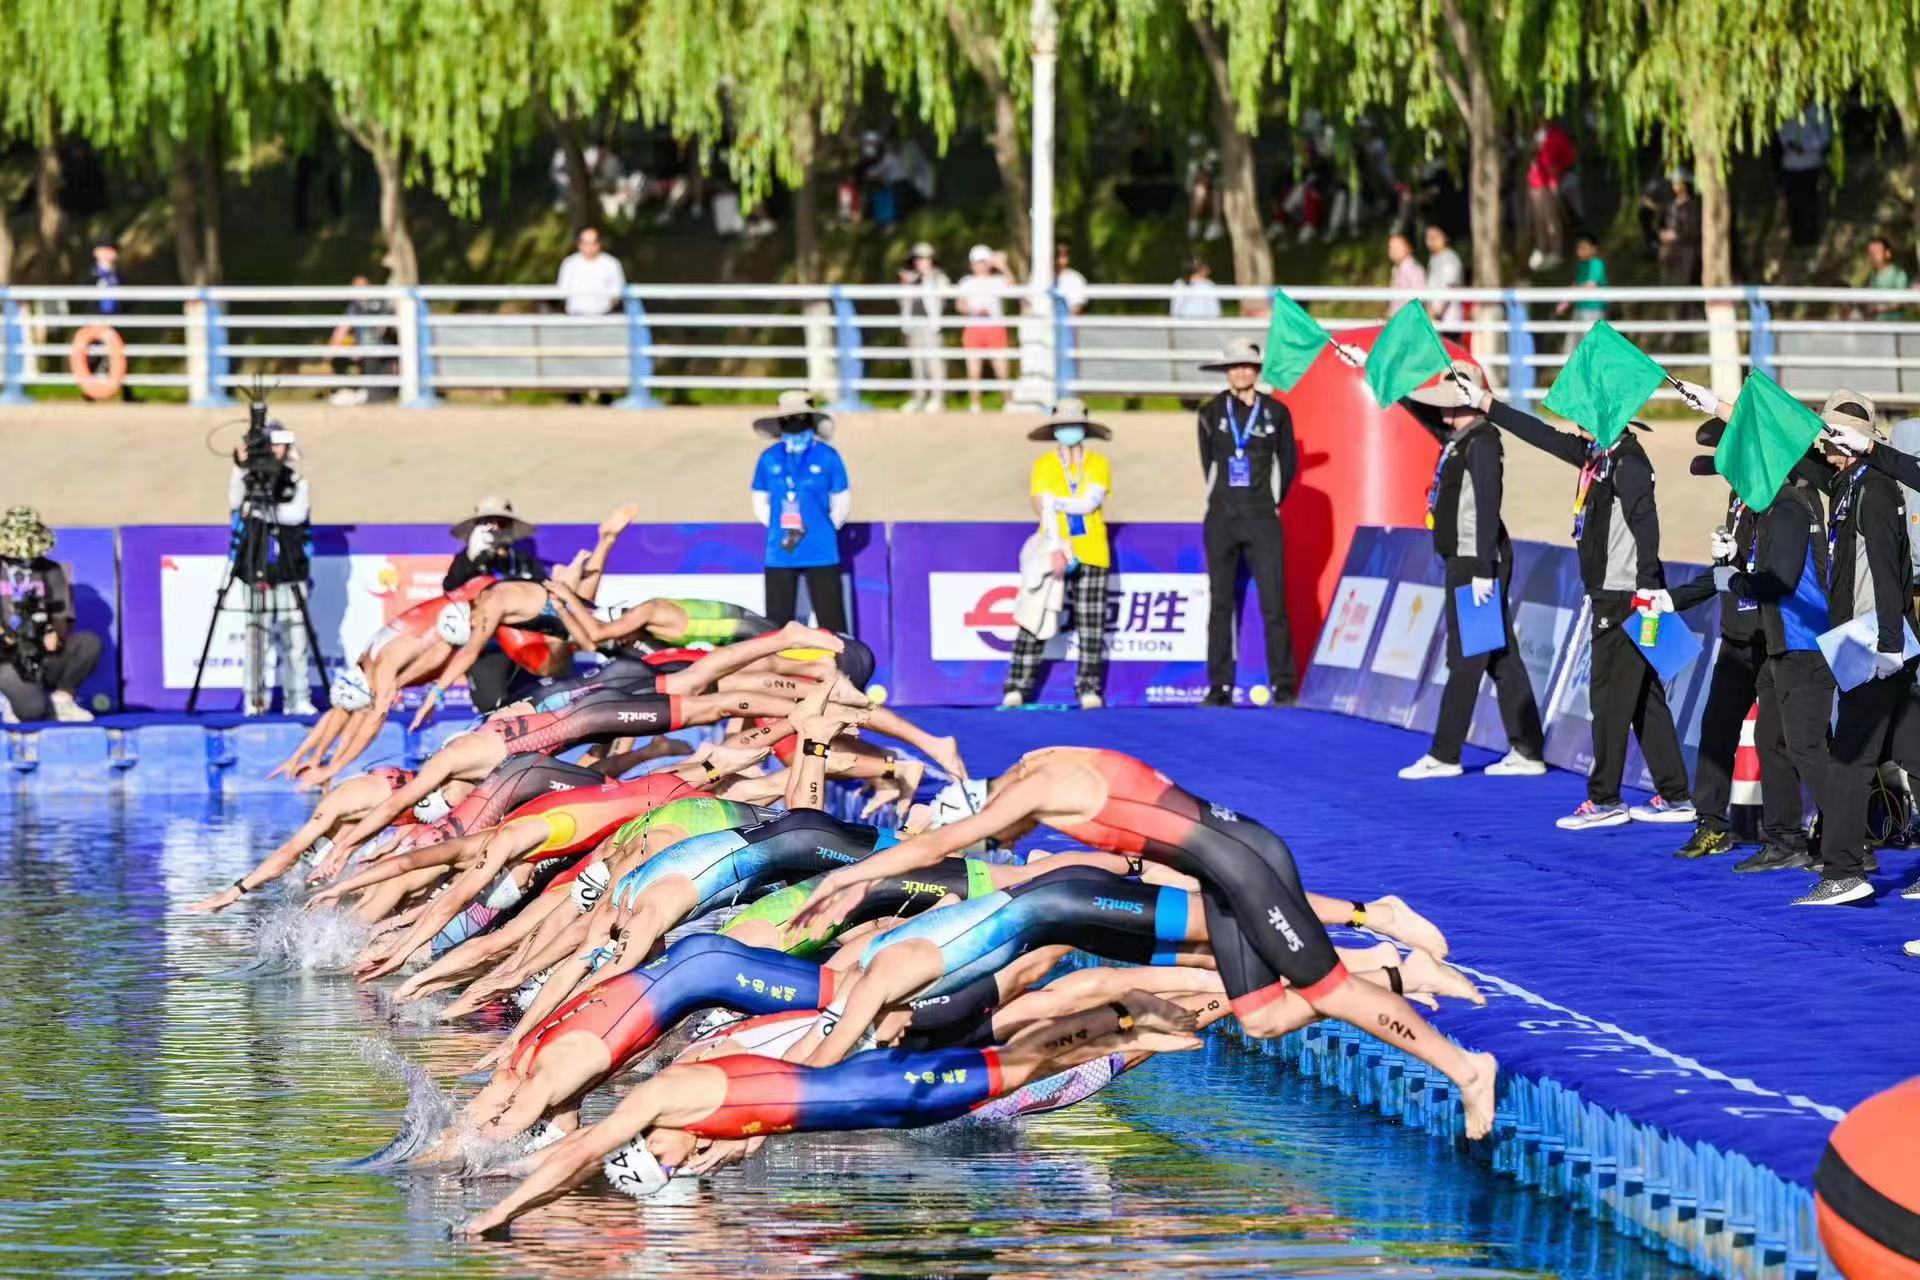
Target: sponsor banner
[(365, 575), (1337, 673), (953, 595), (91, 559), (1410, 629)]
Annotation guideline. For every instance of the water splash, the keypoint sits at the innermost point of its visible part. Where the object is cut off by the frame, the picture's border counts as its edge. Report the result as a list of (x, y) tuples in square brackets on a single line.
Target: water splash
[(292, 939), (428, 1113)]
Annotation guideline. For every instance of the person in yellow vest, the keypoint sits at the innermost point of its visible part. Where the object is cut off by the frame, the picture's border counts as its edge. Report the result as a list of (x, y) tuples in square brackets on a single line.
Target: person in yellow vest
[(1070, 486)]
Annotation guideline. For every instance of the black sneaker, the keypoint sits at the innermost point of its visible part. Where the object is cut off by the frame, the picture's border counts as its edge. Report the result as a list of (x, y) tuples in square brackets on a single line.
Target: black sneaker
[(1284, 698), (1704, 843), (1774, 857), (1835, 892), (1870, 862), (1217, 698)]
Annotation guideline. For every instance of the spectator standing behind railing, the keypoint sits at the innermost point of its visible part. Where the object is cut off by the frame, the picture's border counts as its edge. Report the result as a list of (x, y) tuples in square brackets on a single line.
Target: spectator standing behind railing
[(1679, 233), (1590, 273), (1884, 272), (593, 282), (1067, 282), (1444, 271), (800, 493), (1407, 271), (1195, 296), (982, 302), (105, 273), (348, 335), (1554, 155), (920, 324)]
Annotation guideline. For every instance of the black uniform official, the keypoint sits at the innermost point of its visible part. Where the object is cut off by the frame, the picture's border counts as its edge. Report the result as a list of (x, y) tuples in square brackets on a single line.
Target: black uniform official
[(1617, 537), (1463, 510), (1250, 461), (493, 542)]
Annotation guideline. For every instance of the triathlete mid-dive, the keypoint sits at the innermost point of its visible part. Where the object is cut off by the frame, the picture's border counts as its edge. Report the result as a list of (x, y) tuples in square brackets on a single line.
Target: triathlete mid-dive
[(1248, 880), (746, 1095), (602, 716)]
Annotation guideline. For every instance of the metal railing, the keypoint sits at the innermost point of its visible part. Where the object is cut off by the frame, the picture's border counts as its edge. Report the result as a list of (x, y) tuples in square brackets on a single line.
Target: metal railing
[(855, 346)]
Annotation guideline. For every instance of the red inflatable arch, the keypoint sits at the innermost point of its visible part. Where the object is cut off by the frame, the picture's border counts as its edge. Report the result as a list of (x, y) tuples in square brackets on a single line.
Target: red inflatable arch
[(1359, 465)]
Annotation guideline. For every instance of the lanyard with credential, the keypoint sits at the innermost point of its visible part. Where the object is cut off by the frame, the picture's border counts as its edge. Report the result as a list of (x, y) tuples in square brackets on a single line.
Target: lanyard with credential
[(1239, 466), (793, 525), (1598, 467), (1433, 490), (1842, 507)]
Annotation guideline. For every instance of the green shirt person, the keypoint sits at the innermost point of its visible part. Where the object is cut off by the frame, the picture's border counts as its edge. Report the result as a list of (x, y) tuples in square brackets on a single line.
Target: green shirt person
[(1887, 273), (1590, 272)]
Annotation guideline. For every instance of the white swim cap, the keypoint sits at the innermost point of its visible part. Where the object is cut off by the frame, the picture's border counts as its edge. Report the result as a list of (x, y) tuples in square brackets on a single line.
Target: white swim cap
[(432, 806), (959, 800), (349, 691), (590, 884), (505, 892), (456, 623), (545, 1136), (527, 990), (633, 1170)]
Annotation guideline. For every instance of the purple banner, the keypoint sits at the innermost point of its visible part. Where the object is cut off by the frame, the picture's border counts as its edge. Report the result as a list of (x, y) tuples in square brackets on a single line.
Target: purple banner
[(92, 562), (953, 594), (364, 575)]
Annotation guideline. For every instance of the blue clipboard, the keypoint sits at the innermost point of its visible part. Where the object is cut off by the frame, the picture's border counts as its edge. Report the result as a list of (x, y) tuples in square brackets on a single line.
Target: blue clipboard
[(1483, 627), (1675, 645)]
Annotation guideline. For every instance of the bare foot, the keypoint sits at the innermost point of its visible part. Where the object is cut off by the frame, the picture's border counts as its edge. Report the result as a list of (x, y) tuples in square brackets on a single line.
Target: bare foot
[(1422, 999), (1395, 919), (1476, 1094), (617, 521), (797, 636), (1381, 955), (884, 793), (908, 774), (1152, 1013), (918, 819), (1421, 972), (848, 694)]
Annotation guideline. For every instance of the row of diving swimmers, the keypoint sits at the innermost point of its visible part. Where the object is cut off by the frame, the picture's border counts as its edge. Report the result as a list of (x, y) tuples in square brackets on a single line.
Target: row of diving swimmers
[(875, 982)]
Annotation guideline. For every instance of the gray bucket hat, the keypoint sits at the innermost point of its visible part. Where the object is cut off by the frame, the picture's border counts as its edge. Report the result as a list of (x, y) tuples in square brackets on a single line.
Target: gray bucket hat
[(493, 508), (795, 411), (1238, 351)]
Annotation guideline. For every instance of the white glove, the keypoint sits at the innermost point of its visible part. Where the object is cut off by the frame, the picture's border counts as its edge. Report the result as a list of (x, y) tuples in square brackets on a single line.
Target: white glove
[(1698, 398), (1351, 354), (479, 542), (1722, 576), (1851, 439), (1885, 664), (1657, 602), (1482, 590), (1722, 545)]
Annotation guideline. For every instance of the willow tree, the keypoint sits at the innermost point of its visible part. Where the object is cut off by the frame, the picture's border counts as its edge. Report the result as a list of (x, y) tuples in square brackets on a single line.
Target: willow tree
[(427, 88)]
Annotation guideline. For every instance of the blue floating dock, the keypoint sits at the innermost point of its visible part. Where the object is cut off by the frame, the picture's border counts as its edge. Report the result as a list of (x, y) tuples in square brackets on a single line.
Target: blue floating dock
[(1675, 1041)]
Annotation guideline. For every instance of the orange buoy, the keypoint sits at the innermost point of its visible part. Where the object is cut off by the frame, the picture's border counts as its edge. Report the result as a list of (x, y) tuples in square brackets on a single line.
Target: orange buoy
[(1867, 1189), (97, 386)]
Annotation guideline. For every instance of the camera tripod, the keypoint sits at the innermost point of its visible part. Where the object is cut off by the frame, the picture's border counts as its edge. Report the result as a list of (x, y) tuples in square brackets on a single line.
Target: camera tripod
[(252, 555)]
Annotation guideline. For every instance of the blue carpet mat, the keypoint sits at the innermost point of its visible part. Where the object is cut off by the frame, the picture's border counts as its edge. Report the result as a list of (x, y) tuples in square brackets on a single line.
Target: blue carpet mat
[(1675, 992)]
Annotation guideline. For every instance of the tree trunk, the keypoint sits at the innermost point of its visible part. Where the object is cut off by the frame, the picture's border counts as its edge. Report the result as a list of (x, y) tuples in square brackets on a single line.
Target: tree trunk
[(1239, 178), (1716, 214), (189, 243), (48, 180), (401, 261), (982, 52), (806, 202), (1474, 99), (581, 208), (6, 249), (213, 184)]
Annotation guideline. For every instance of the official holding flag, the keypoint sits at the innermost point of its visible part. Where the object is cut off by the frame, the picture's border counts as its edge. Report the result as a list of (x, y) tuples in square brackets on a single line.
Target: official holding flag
[(1249, 458), (1616, 530), (1463, 511)]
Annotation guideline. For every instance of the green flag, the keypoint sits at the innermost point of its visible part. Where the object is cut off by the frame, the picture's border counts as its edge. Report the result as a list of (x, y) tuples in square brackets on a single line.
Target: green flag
[(1604, 383), (1407, 353), (1294, 341), (1767, 434)]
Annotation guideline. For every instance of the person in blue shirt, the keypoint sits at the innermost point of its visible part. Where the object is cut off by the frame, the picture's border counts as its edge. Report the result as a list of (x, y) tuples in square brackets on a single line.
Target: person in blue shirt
[(800, 495)]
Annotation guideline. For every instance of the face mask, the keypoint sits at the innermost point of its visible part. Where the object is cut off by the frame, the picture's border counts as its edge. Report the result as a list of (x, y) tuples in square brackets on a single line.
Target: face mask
[(1069, 435), (798, 441)]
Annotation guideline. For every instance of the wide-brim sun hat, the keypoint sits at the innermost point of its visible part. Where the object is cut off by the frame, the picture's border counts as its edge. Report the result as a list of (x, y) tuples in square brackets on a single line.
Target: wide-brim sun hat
[(1238, 351), (1462, 379), (494, 508), (1071, 412), (23, 535), (795, 411), (1846, 408)]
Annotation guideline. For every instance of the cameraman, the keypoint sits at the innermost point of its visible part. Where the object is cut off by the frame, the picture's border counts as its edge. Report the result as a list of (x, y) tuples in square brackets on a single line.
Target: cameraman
[(271, 508), (42, 658)]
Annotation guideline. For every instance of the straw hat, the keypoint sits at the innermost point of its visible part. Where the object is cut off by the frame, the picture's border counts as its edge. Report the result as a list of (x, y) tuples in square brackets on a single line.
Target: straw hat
[(1460, 386), (493, 508), (795, 411), (1070, 412), (23, 536), (1238, 351), (1846, 408)]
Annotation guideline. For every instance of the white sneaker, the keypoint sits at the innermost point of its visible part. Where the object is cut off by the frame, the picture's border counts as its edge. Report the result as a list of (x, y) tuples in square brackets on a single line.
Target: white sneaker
[(1013, 700), (1913, 948), (66, 710), (302, 710), (974, 408), (1427, 767), (1590, 815), (911, 406), (1091, 702), (936, 405), (1535, 260), (1660, 810), (1515, 765)]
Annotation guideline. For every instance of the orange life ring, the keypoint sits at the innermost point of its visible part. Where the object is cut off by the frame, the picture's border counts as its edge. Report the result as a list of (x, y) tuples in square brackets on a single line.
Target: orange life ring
[(97, 386)]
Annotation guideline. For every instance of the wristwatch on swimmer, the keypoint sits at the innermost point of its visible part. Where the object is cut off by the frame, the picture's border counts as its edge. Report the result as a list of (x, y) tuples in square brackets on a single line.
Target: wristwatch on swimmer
[(1120, 1011)]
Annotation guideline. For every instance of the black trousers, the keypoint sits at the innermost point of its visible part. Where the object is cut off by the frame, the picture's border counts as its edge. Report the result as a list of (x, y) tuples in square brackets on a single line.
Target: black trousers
[(1626, 697), (1796, 705), (1875, 720), (1735, 684), (1230, 535), (823, 586), (65, 670), (1512, 687)]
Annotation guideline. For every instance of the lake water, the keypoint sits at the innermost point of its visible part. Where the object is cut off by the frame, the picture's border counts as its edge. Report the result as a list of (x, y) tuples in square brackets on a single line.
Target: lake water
[(181, 1095)]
